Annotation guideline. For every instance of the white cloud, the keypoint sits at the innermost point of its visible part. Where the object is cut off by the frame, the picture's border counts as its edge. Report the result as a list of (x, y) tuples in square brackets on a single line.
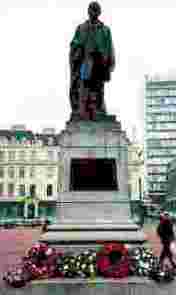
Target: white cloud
[(34, 52)]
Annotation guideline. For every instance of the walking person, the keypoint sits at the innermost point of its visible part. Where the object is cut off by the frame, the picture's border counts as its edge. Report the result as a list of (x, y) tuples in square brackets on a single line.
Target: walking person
[(166, 234)]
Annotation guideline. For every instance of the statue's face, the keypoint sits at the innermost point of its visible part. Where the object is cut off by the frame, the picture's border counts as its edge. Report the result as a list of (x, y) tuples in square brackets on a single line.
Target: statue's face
[(93, 15), (94, 11)]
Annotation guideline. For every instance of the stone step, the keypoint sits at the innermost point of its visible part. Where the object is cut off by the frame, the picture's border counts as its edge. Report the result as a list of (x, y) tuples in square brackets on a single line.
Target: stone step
[(87, 237), (92, 212), (93, 196), (130, 226)]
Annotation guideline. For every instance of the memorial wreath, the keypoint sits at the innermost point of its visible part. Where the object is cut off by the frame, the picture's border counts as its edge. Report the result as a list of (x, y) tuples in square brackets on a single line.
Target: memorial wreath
[(112, 260)]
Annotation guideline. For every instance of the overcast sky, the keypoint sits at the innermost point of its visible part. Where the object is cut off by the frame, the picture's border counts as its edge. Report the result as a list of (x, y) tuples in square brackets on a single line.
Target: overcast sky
[(34, 47)]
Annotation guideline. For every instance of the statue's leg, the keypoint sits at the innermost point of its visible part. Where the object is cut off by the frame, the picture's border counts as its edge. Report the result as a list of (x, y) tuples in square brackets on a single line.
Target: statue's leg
[(100, 97), (83, 101), (74, 95), (84, 114), (92, 105)]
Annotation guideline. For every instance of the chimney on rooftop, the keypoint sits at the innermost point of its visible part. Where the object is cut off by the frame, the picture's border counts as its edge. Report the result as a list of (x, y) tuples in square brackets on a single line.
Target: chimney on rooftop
[(18, 127), (48, 131)]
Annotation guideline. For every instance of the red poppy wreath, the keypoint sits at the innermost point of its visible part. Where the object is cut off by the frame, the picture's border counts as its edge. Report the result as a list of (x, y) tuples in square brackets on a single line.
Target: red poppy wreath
[(113, 261)]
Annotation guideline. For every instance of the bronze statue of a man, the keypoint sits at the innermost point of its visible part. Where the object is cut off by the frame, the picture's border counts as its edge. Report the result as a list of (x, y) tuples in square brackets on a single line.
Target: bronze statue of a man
[(91, 62)]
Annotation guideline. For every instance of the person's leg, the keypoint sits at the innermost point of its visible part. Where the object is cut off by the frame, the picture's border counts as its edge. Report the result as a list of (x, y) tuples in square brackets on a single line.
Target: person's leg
[(170, 256), (163, 255)]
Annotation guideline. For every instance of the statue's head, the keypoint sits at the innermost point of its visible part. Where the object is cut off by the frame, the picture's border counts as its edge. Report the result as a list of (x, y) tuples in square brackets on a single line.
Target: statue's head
[(94, 10)]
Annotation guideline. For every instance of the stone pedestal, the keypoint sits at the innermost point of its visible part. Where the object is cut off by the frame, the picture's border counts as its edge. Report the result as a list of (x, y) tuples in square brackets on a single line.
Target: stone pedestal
[(87, 216)]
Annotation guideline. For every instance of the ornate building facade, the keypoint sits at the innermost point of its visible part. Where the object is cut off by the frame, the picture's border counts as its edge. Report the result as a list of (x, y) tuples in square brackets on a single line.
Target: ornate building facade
[(28, 168)]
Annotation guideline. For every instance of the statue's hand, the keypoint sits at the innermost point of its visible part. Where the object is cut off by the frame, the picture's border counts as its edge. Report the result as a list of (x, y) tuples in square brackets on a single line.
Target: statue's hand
[(77, 54)]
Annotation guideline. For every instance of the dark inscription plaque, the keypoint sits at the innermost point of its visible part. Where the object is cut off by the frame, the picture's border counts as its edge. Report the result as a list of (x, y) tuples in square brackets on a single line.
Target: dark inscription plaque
[(93, 175)]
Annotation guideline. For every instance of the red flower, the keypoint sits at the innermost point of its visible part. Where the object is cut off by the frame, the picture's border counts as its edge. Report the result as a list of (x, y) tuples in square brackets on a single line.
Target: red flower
[(103, 263), (112, 261), (119, 247)]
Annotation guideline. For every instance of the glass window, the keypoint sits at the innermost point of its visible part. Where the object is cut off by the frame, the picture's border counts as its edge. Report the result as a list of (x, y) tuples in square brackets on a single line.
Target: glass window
[(49, 190), (1, 172), (163, 135), (158, 92), (159, 161), (33, 155), (11, 172), (161, 152), (2, 155), (32, 190), (21, 155), (157, 186), (21, 172), (157, 169), (172, 92), (32, 172), (1, 188), (157, 108), (11, 155), (22, 189), (11, 188), (50, 171)]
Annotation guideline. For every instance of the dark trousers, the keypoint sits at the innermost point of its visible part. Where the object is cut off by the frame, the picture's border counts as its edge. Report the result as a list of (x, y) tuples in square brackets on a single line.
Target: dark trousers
[(166, 252)]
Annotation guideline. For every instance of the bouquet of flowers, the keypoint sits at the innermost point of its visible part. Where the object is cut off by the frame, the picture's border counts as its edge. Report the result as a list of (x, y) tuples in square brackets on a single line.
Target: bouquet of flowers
[(40, 262), (113, 260), (82, 265), (144, 263)]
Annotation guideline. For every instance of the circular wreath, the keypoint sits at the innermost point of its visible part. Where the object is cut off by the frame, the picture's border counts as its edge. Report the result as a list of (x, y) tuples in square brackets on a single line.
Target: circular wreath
[(113, 261)]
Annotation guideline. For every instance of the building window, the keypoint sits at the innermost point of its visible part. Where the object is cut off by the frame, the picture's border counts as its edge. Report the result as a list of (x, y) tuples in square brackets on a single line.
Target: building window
[(33, 155), (11, 155), (140, 188), (32, 190), (50, 171), (22, 189), (11, 188), (1, 189), (2, 155), (21, 172), (11, 172), (32, 172), (49, 190), (1, 172), (22, 155)]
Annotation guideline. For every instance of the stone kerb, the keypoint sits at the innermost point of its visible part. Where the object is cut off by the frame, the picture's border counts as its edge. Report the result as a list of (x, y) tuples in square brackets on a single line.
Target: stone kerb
[(100, 286)]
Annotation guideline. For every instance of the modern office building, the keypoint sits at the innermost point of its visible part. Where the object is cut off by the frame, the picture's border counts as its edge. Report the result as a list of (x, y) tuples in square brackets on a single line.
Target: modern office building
[(160, 135), (28, 168), (170, 203)]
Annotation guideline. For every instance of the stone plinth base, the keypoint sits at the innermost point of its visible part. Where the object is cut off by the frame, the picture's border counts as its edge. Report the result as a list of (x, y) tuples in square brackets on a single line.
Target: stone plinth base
[(92, 235), (93, 206), (100, 286)]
